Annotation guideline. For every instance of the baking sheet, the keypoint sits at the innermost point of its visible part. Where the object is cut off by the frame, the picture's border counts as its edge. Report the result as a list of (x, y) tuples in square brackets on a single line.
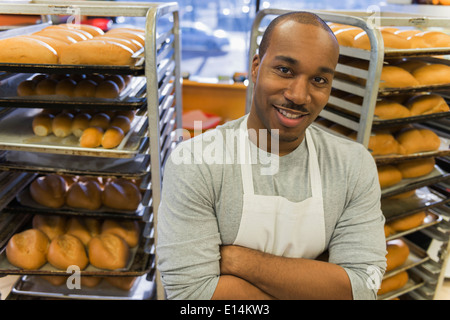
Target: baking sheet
[(142, 289), (414, 282), (16, 133), (384, 92)]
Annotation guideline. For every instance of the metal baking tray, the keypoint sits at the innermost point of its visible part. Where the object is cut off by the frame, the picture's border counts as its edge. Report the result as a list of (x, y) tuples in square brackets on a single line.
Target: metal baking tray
[(418, 52), (16, 134), (35, 286), (380, 123), (140, 262), (132, 96), (423, 198), (43, 163), (12, 183), (384, 92), (414, 282), (430, 220)]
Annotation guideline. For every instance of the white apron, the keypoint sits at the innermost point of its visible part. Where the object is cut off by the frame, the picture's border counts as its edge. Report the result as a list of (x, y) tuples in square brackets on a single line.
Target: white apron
[(274, 224)]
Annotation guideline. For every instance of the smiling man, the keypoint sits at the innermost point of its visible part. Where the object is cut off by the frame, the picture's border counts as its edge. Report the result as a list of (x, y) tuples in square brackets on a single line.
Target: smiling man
[(227, 231)]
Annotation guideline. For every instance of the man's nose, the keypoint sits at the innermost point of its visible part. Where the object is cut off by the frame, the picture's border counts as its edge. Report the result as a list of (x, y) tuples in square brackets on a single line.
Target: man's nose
[(298, 91)]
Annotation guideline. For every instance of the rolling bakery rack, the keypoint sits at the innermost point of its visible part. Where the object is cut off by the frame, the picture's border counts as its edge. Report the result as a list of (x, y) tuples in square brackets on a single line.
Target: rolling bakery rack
[(154, 92), (426, 270)]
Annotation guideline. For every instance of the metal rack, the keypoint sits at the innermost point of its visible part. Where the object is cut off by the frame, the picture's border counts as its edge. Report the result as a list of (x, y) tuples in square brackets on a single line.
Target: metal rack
[(427, 273), (159, 111)]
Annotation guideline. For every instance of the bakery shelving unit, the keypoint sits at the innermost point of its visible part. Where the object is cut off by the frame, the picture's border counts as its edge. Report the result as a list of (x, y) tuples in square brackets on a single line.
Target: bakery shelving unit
[(432, 195), (142, 155)]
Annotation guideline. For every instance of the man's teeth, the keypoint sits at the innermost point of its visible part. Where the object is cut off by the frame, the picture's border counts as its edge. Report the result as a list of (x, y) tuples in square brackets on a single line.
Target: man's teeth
[(289, 115)]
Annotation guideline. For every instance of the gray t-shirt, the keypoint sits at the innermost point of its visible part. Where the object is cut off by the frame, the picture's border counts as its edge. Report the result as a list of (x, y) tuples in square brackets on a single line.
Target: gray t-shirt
[(202, 198)]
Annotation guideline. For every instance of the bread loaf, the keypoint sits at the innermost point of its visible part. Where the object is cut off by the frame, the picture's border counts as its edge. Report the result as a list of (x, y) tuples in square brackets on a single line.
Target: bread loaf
[(91, 137), (62, 124), (52, 225), (80, 123), (84, 195), (383, 143), (65, 251), (431, 39), (83, 228), (416, 168), (388, 175), (128, 230), (385, 109), (427, 104), (397, 254), (42, 124), (346, 36), (432, 74), (92, 30), (418, 140), (66, 87), (390, 40), (108, 251), (22, 49), (393, 283), (409, 222), (28, 249), (396, 77), (121, 194), (411, 65), (49, 191)]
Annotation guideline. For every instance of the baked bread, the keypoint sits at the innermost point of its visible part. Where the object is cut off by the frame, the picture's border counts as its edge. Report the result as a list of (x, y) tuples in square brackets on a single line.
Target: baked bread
[(66, 87), (62, 124), (385, 109), (85, 88), (89, 281), (55, 280), (46, 87), (65, 251), (49, 190), (52, 225), (121, 194), (416, 168), (108, 251), (107, 89), (83, 228), (393, 283), (80, 123), (396, 77), (432, 74), (91, 137), (418, 140), (84, 195), (28, 249), (388, 175), (122, 283), (101, 120), (22, 49), (397, 254), (390, 40), (409, 222), (112, 137), (128, 230), (26, 88), (430, 39), (383, 143), (42, 124), (426, 104), (411, 64), (346, 36), (121, 122)]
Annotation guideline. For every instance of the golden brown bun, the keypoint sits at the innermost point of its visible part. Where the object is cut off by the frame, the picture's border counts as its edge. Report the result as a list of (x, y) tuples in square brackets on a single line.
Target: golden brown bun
[(54, 43), (85, 88), (83, 228), (90, 282), (128, 33), (383, 143), (52, 225), (396, 77), (386, 109), (108, 251), (390, 40), (405, 34), (346, 36), (409, 222), (92, 30), (97, 52), (397, 253), (117, 79), (427, 104), (128, 230), (432, 39), (432, 74), (411, 65), (91, 137), (112, 137), (393, 283), (121, 194), (388, 176), (28, 249), (77, 35), (49, 191), (121, 122), (67, 250), (46, 87), (55, 280), (66, 87), (80, 123), (84, 195), (27, 50), (107, 89), (418, 140), (130, 114), (122, 39), (26, 88), (123, 283), (62, 124), (101, 120), (416, 168), (42, 124)]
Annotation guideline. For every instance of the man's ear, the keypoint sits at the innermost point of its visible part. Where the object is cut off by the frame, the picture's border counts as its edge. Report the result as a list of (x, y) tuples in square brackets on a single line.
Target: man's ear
[(255, 67)]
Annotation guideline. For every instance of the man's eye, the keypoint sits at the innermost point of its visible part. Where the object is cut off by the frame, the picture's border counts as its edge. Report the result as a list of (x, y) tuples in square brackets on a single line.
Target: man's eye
[(320, 80), (284, 70)]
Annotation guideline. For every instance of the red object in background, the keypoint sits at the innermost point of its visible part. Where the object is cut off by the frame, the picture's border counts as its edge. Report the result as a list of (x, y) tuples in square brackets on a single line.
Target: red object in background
[(208, 121), (102, 23)]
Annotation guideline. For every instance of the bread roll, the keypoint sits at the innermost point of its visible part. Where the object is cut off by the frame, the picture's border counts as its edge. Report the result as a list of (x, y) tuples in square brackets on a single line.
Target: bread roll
[(97, 52), (128, 230), (55, 280), (390, 40), (65, 251), (122, 39), (27, 50), (42, 124), (397, 254), (66, 87), (108, 251), (393, 283), (62, 124), (83, 228), (112, 137), (135, 35), (346, 36), (85, 88), (46, 87), (427, 104), (396, 77), (26, 88), (416, 168), (28, 249), (130, 114), (107, 89), (49, 191), (405, 34), (411, 65), (80, 123), (122, 283), (121, 194), (383, 143), (432, 74), (409, 222), (52, 225), (56, 44), (388, 175), (121, 122), (432, 39), (59, 33), (89, 281), (91, 137), (418, 140), (84, 195), (386, 109), (101, 120)]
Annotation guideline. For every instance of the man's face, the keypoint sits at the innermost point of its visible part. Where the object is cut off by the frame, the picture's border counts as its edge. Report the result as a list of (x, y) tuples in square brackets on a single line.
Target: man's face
[(292, 80)]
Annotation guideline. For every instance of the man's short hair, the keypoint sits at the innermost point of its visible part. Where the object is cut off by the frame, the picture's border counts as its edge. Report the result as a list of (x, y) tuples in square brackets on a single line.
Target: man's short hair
[(303, 17)]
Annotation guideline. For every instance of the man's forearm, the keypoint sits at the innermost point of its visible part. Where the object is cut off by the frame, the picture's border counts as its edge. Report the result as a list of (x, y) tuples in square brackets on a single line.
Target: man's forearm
[(286, 278), (233, 288)]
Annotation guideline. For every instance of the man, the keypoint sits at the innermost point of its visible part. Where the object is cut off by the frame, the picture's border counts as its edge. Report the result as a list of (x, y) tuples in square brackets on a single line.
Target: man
[(253, 227)]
